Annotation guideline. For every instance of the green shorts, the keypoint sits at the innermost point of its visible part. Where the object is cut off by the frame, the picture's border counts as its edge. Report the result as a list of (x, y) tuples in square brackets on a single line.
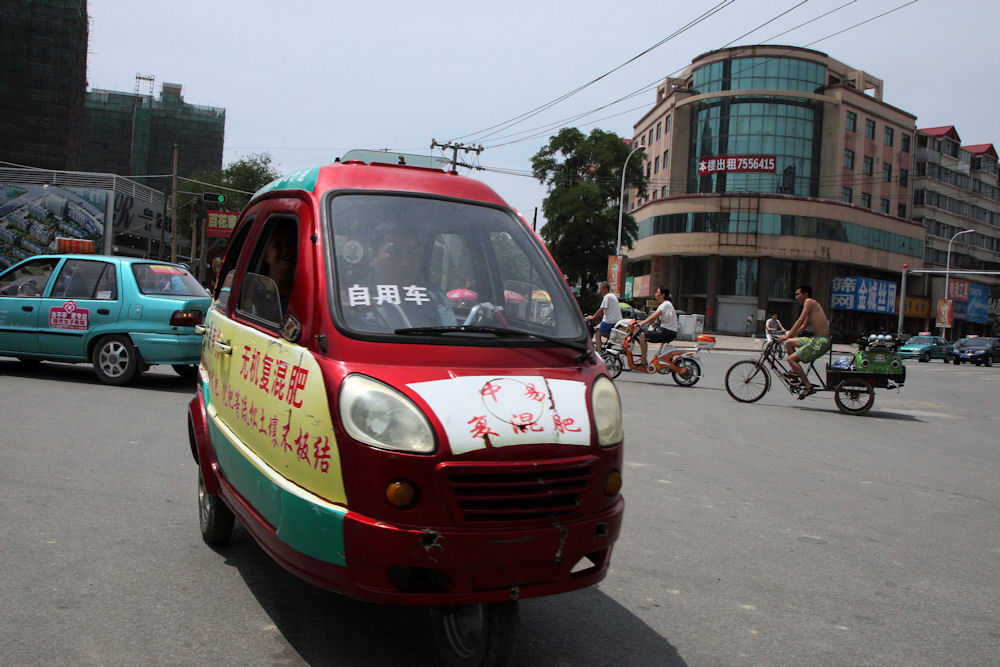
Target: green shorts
[(811, 349)]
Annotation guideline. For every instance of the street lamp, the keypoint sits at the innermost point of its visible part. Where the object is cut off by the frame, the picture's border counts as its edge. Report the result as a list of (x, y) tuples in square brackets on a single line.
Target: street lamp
[(621, 200), (947, 266)]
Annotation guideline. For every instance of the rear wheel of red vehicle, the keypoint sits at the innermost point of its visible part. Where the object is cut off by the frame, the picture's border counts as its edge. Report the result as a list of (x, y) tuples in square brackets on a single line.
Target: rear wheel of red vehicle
[(116, 361), (214, 518), (474, 635)]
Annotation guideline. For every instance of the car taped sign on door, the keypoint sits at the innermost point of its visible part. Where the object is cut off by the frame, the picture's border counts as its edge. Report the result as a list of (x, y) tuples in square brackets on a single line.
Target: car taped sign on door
[(69, 316)]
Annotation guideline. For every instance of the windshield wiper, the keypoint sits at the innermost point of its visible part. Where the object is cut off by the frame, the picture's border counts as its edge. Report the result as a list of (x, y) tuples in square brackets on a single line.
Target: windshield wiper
[(497, 331)]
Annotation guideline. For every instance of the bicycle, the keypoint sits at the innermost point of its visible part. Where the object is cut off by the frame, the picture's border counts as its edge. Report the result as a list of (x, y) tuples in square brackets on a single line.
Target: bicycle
[(853, 391), (680, 362)]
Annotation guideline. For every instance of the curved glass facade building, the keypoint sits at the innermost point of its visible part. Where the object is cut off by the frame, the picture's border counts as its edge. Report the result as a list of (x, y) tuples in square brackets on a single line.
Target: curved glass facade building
[(770, 166)]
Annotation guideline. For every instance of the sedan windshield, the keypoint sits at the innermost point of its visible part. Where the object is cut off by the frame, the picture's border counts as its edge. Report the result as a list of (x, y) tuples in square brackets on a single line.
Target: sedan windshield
[(920, 340), (423, 268), (974, 342)]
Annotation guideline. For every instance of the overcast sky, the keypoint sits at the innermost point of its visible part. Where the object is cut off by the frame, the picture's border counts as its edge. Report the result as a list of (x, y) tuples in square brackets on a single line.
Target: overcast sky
[(307, 80)]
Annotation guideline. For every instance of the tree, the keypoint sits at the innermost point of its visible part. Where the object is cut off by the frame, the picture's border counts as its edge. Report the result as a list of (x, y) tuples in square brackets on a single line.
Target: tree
[(236, 180), (584, 176)]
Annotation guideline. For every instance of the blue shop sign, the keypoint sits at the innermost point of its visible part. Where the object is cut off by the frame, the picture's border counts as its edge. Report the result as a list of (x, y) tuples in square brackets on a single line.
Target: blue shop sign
[(868, 295), (978, 300)]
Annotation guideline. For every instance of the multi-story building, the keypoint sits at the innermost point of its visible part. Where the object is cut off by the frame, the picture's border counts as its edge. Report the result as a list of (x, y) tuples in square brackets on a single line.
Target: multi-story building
[(43, 58), (768, 167), (957, 198), (130, 133)]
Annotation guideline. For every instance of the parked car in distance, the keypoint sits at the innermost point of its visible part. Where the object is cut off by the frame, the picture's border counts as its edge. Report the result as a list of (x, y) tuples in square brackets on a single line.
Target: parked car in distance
[(977, 350), (122, 314), (926, 348)]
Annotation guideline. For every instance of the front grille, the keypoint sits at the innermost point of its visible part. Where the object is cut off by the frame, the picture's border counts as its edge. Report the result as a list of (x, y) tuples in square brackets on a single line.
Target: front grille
[(492, 492)]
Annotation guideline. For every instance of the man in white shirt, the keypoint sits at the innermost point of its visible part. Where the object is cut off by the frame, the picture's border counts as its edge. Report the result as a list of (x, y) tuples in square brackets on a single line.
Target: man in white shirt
[(609, 313), (666, 329)]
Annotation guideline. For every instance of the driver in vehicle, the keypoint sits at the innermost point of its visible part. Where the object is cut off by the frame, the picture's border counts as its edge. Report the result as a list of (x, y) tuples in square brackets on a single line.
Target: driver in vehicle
[(398, 289)]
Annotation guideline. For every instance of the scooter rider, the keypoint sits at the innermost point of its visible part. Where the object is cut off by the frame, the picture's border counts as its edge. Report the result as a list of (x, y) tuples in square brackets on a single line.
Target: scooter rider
[(609, 314), (667, 329)]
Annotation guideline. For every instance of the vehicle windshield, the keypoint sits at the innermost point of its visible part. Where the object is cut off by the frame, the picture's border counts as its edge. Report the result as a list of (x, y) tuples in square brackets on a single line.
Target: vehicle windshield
[(420, 267), (166, 279), (920, 340), (974, 342)]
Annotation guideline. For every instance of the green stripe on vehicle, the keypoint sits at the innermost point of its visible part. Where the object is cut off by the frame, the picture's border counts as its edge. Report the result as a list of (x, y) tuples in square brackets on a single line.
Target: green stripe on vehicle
[(301, 520)]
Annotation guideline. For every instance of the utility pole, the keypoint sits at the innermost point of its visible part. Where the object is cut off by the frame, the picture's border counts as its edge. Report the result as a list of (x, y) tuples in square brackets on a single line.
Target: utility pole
[(173, 209), (454, 148)]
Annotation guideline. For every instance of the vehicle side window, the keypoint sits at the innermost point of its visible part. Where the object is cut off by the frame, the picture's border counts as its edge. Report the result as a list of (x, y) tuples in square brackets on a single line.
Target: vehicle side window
[(267, 285), (227, 270), (29, 279), (86, 279)]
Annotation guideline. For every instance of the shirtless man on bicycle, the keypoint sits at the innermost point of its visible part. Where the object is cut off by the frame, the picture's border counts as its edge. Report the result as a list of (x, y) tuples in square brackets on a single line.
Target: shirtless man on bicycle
[(805, 350)]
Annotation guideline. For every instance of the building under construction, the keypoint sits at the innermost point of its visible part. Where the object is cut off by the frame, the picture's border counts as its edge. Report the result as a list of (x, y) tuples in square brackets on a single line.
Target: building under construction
[(43, 60), (134, 133)]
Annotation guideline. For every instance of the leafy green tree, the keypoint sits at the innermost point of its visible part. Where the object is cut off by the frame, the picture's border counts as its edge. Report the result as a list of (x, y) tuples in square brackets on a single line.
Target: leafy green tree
[(238, 181), (583, 174)]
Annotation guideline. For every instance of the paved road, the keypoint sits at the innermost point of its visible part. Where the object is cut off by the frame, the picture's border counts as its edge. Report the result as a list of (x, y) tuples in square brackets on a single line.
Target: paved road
[(781, 532)]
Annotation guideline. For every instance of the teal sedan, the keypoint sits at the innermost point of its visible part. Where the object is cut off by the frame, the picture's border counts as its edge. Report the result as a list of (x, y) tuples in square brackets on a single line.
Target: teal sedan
[(926, 348), (121, 314)]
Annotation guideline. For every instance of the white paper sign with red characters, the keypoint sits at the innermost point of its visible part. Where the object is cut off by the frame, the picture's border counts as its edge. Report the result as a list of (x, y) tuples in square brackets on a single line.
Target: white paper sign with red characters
[(500, 411), (68, 316)]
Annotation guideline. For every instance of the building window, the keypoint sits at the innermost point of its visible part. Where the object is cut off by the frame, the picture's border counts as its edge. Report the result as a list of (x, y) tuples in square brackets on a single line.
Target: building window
[(866, 200), (656, 165), (852, 121), (650, 136), (659, 126), (666, 153), (885, 206), (904, 178), (889, 136), (663, 191), (667, 123), (901, 210), (904, 143), (848, 159), (649, 166), (868, 167), (847, 194), (886, 173), (869, 129)]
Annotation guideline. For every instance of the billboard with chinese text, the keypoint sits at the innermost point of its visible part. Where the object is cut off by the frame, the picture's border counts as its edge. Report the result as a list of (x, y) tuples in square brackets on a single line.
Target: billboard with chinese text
[(868, 295)]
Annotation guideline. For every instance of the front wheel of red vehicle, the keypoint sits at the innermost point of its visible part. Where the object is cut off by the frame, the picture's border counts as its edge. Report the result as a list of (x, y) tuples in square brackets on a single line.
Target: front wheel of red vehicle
[(475, 635), (214, 518)]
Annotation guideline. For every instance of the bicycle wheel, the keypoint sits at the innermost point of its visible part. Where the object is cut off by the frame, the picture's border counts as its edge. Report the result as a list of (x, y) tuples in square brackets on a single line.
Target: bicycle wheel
[(691, 374), (613, 362), (747, 382), (855, 397)]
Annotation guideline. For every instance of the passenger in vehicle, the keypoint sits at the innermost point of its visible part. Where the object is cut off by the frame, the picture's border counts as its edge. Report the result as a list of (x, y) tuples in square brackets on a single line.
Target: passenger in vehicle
[(280, 257)]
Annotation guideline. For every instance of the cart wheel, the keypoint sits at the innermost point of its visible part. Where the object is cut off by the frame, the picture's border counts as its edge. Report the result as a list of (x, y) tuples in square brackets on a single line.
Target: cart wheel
[(691, 372), (473, 635), (613, 362), (747, 382), (855, 397)]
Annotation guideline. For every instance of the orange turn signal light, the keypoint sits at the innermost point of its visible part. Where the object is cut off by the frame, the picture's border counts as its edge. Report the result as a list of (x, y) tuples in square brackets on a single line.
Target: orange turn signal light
[(400, 493), (612, 483)]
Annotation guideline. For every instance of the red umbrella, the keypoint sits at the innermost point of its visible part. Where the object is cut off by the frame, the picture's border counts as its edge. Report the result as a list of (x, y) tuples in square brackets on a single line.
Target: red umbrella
[(462, 294)]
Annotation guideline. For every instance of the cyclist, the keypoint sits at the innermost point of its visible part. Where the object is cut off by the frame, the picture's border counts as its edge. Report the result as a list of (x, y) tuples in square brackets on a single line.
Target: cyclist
[(807, 349), (667, 329), (609, 314)]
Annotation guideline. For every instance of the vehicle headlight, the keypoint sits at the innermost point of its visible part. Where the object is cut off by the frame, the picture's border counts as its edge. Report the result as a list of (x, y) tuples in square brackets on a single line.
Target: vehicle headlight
[(378, 415), (607, 408)]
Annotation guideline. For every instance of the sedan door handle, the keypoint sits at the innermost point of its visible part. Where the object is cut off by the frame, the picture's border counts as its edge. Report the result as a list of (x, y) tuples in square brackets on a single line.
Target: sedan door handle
[(222, 347), (103, 311), (27, 309)]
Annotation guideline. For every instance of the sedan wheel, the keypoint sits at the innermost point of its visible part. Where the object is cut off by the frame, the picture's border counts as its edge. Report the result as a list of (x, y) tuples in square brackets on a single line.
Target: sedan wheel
[(116, 361)]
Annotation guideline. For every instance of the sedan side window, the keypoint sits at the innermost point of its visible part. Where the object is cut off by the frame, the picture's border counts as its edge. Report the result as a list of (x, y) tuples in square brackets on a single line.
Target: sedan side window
[(29, 279), (86, 279)]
